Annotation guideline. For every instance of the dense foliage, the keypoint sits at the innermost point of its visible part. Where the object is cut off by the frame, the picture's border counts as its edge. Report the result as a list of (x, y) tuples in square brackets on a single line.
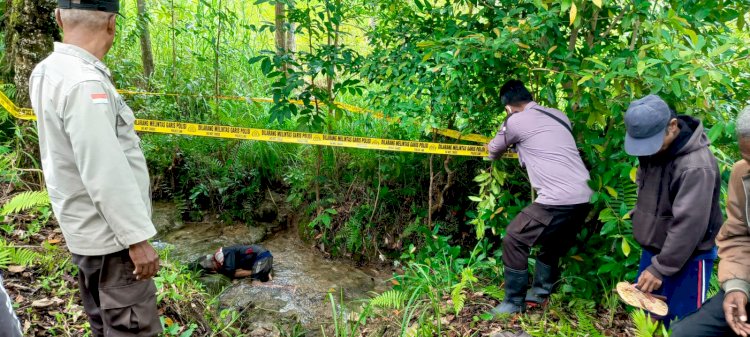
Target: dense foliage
[(424, 64)]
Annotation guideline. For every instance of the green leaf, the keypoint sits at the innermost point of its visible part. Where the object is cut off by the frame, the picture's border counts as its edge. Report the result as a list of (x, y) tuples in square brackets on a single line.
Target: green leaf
[(266, 66), (676, 88), (720, 50), (486, 316), (625, 247), (475, 199), (189, 332), (715, 132), (633, 174), (692, 35), (611, 191), (482, 177)]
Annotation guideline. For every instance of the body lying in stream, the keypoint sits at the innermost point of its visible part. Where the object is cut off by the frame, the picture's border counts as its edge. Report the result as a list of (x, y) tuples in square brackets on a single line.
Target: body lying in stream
[(238, 261)]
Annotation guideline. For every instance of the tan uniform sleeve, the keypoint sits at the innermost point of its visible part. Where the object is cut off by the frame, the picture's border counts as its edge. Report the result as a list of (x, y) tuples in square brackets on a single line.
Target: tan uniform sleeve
[(90, 122), (734, 238)]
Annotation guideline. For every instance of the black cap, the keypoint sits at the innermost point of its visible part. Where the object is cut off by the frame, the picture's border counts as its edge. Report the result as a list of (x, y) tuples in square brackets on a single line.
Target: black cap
[(110, 6)]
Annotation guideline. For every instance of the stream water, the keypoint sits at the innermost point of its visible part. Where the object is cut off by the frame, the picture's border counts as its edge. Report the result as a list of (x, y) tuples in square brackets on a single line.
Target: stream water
[(302, 279)]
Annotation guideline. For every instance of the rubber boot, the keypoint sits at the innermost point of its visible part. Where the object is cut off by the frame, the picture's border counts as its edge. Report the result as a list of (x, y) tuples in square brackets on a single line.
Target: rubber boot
[(541, 287), (516, 282)]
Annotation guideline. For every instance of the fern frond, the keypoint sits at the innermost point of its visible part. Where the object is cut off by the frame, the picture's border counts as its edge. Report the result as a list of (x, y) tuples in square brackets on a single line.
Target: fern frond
[(23, 257), (5, 260), (412, 228), (467, 276), (644, 326), (24, 201), (458, 297), (457, 294), (353, 234), (392, 299), (16, 256), (494, 292), (585, 326)]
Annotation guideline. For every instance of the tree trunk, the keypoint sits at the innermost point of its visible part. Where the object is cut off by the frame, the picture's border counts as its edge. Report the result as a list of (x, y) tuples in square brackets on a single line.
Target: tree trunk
[(147, 55), (174, 47), (280, 19), (29, 32), (291, 40), (217, 64)]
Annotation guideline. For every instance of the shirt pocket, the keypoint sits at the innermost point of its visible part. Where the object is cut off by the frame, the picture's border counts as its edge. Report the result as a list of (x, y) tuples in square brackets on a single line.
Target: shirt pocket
[(126, 126)]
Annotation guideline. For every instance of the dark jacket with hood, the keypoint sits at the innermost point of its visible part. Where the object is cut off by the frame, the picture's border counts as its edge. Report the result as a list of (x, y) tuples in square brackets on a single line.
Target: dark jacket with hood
[(677, 215)]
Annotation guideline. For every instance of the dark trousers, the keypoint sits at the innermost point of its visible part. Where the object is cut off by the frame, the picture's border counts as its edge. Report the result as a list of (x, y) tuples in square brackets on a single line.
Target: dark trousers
[(686, 291), (116, 303), (552, 228), (708, 321)]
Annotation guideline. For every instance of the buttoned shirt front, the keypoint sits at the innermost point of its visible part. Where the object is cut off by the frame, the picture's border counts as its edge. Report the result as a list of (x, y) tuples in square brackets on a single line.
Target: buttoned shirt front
[(94, 169)]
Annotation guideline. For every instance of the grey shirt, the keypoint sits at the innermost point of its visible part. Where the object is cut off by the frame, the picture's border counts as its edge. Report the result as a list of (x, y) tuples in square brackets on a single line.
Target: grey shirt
[(94, 168), (9, 324), (549, 153)]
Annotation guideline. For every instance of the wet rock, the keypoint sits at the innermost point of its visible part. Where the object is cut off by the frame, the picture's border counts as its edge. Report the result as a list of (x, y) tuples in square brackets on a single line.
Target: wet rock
[(165, 216), (158, 245), (264, 329), (255, 234), (267, 211)]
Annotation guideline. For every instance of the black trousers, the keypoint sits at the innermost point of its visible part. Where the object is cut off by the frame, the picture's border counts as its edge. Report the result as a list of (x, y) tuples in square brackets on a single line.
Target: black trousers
[(708, 321), (117, 304), (552, 228)]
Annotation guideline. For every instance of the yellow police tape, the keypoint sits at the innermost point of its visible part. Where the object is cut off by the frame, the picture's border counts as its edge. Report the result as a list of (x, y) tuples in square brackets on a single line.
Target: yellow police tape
[(230, 132), (348, 107)]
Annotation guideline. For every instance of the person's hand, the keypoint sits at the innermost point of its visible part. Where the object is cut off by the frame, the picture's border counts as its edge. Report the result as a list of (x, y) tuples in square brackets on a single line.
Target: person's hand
[(648, 282), (146, 260), (735, 313)]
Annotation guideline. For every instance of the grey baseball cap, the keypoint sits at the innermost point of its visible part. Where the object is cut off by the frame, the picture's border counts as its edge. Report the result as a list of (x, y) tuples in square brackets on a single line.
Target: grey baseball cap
[(646, 124)]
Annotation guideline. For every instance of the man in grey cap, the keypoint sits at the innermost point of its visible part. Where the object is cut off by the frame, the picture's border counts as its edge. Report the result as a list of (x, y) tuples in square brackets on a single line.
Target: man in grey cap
[(677, 215), (96, 173)]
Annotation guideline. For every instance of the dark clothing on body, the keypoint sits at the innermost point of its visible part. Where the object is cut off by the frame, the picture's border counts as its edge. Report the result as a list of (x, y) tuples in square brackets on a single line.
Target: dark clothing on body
[(245, 257), (553, 228), (677, 215), (686, 290), (709, 321), (117, 304)]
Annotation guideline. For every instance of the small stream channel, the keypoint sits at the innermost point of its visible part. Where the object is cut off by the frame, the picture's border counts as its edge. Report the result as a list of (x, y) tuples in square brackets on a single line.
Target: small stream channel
[(302, 280)]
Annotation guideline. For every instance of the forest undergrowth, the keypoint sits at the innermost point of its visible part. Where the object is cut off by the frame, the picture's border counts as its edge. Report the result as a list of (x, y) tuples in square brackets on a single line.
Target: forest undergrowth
[(437, 219)]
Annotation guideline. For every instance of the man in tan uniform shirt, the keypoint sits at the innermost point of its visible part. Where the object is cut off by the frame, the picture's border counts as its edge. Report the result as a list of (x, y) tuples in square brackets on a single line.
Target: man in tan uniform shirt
[(726, 313), (96, 173)]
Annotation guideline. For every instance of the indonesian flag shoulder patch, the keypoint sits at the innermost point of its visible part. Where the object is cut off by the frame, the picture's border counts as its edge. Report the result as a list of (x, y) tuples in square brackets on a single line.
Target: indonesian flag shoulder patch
[(99, 98)]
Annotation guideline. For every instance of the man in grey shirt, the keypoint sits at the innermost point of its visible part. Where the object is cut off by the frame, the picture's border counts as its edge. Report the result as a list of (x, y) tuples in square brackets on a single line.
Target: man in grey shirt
[(96, 173), (546, 148)]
